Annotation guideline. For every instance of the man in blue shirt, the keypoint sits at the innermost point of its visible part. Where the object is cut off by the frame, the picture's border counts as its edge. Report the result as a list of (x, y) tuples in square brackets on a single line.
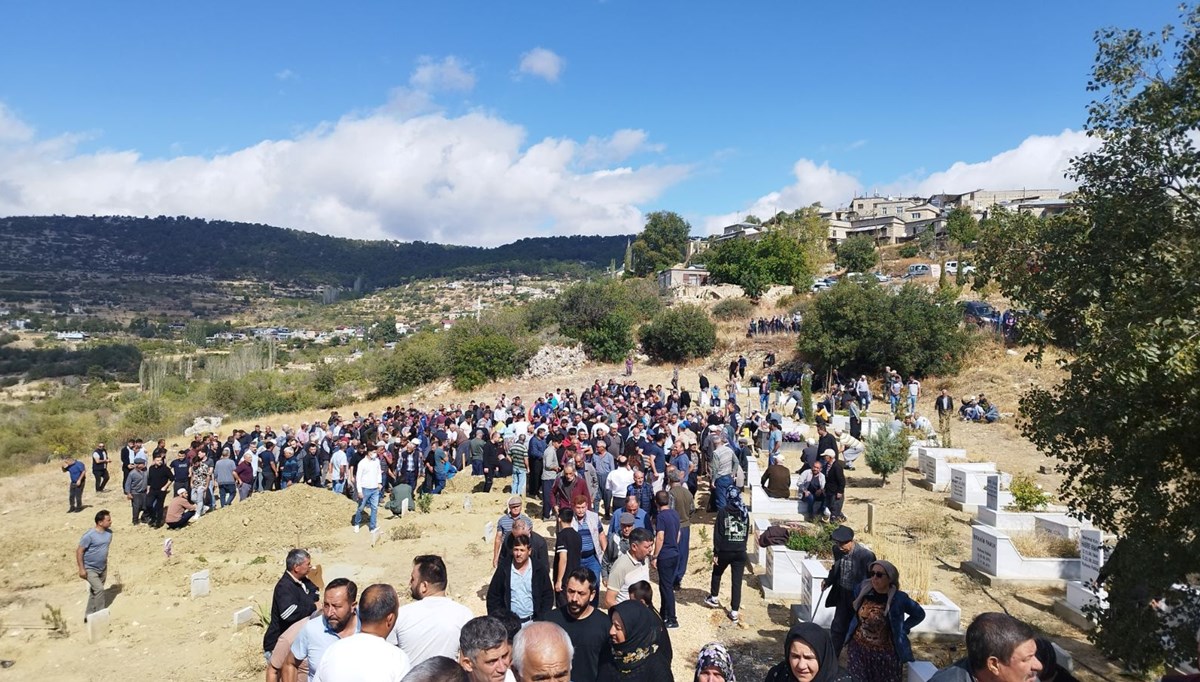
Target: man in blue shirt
[(337, 621), (774, 443), (78, 477)]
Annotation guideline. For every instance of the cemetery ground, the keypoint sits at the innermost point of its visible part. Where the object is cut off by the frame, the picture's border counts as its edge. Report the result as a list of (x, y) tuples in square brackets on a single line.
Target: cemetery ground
[(159, 631)]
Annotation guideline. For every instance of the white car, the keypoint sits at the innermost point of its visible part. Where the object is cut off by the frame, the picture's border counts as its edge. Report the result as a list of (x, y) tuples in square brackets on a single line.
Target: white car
[(880, 277), (819, 284), (952, 267)]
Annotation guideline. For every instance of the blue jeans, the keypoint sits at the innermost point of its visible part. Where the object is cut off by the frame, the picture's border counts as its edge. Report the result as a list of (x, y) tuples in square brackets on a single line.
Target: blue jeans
[(721, 488), (228, 490), (518, 482), (763, 399), (893, 401), (370, 497), (437, 484), (339, 487), (912, 404), (816, 505), (477, 467)]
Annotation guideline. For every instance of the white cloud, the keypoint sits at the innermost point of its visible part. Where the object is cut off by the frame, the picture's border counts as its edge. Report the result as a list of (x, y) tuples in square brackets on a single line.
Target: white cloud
[(472, 179), (448, 74), (1039, 162), (13, 129), (287, 75), (542, 63), (619, 146)]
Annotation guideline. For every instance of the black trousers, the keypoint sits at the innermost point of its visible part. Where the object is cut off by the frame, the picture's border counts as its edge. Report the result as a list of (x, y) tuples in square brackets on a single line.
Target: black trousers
[(101, 476), (535, 475), (75, 497), (842, 615), (157, 506), (738, 561)]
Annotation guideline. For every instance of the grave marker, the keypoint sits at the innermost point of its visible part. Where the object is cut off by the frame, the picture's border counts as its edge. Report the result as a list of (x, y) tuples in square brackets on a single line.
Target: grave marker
[(98, 624), (870, 518), (998, 495), (1091, 555), (200, 584), (489, 531), (243, 618), (467, 502), (404, 506)]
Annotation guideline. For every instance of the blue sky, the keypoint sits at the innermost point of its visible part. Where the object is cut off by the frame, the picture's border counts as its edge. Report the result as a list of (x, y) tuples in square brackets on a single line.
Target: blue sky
[(481, 122)]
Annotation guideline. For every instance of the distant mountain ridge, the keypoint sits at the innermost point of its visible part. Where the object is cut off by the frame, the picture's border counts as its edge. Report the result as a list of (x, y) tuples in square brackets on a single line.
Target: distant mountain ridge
[(183, 247)]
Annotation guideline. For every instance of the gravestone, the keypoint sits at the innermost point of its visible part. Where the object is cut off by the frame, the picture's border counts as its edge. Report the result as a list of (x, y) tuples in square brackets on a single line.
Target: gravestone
[(200, 584), (1084, 592), (466, 502), (968, 485), (934, 464), (1091, 555), (870, 518), (97, 625), (243, 618), (404, 506), (489, 531), (998, 494), (995, 560)]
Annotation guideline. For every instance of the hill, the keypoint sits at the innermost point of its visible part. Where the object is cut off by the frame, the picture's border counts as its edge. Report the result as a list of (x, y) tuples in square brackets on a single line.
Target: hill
[(139, 263)]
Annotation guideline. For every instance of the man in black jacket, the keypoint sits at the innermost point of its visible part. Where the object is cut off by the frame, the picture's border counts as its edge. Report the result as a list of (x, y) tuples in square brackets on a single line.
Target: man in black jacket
[(520, 586), (835, 487), (850, 563), (294, 600)]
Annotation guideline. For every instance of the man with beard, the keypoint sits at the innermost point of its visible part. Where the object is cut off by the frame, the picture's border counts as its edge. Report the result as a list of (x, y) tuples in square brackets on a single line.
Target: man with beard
[(431, 624), (586, 625), (337, 621), (520, 586)]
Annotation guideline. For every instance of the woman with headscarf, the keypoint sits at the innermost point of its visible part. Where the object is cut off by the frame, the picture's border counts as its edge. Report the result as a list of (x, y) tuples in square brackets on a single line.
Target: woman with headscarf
[(714, 664), (878, 645), (808, 656), (642, 591), (636, 656)]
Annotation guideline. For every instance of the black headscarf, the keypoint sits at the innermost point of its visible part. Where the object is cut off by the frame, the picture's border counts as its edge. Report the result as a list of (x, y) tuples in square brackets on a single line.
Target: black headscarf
[(819, 640), (641, 636)]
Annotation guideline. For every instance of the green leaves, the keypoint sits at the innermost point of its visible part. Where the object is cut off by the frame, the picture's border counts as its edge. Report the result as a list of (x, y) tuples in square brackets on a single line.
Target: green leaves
[(857, 254), (662, 243), (679, 334)]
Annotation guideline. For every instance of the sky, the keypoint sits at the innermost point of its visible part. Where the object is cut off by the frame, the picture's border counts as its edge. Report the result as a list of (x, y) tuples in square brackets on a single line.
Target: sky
[(484, 122)]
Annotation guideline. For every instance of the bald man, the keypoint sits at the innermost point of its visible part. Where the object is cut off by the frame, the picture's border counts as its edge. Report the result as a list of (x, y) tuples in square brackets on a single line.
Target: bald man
[(542, 651)]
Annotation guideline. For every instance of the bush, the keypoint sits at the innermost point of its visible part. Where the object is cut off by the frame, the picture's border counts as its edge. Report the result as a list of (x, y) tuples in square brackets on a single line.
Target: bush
[(483, 357), (886, 452), (416, 360), (860, 327), (1028, 496), (601, 315), (857, 254), (610, 340), (679, 334), (732, 309), (910, 250)]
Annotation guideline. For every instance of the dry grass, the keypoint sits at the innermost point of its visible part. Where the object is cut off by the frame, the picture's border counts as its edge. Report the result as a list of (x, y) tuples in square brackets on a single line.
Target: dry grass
[(1042, 544), (913, 562)]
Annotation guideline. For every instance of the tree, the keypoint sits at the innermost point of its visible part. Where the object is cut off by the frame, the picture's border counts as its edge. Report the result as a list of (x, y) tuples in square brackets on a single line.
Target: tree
[(962, 227), (777, 258), (861, 327), (662, 243), (752, 219), (857, 253), (679, 334), (886, 452), (1115, 284)]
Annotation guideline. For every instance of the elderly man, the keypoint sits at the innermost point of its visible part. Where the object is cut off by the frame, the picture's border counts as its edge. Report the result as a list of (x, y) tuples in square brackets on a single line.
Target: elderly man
[(631, 567), (337, 621), (483, 649), (179, 511), (539, 548), (1000, 648), (850, 446), (721, 470), (812, 492), (777, 479), (568, 486), (504, 525), (366, 656), (542, 652), (850, 563), (294, 599)]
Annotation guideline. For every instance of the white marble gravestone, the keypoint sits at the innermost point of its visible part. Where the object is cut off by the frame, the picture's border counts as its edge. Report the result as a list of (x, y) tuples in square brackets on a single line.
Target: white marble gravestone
[(968, 485), (98, 624), (200, 584)]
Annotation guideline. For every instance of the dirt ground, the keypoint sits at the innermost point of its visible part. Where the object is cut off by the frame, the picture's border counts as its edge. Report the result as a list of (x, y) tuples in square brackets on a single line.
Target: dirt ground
[(159, 632)]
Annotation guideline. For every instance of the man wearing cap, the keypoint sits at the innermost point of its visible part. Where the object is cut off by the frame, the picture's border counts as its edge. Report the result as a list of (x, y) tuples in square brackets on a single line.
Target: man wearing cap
[(135, 488), (618, 541), (505, 525), (850, 563), (835, 487), (777, 479), (850, 446), (641, 518), (180, 510)]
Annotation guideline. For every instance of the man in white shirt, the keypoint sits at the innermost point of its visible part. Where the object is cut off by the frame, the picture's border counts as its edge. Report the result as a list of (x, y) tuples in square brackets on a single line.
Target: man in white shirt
[(338, 463), (431, 625), (618, 482), (369, 480), (367, 656)]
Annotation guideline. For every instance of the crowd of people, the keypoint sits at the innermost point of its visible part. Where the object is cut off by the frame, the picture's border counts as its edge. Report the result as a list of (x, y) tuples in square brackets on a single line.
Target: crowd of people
[(616, 466), (779, 324)]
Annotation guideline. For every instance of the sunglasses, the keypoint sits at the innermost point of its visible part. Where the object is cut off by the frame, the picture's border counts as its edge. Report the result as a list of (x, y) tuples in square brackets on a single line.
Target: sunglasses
[(878, 574)]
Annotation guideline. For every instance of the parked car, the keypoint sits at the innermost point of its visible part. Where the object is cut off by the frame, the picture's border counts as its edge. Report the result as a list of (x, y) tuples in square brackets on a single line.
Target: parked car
[(980, 313), (952, 268), (880, 277), (819, 284), (917, 270)]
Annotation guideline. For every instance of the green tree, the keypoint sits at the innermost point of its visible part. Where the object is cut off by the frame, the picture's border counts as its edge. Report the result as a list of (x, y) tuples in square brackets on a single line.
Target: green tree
[(777, 258), (806, 396), (416, 360), (886, 452), (662, 243), (752, 219), (857, 253), (963, 228), (679, 334), (1115, 283), (861, 327)]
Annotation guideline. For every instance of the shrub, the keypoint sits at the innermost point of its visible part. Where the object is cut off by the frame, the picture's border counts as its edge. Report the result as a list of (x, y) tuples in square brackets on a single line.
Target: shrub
[(862, 327), (679, 334), (601, 315), (732, 309), (1027, 495), (416, 360), (857, 254), (910, 250), (886, 452), (481, 358), (816, 540)]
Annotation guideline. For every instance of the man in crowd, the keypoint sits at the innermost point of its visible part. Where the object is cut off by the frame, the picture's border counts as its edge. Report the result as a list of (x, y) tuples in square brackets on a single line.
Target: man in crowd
[(618, 482), (683, 503), (631, 567), (78, 476), (538, 547), (431, 624), (158, 486), (835, 486), (777, 479), (369, 481), (542, 652), (337, 620), (569, 486), (100, 467), (850, 563), (484, 651), (135, 488), (586, 625), (721, 470), (666, 556), (520, 586), (812, 492), (1000, 648), (180, 511), (91, 560), (294, 599), (366, 656), (505, 524), (850, 446), (568, 550)]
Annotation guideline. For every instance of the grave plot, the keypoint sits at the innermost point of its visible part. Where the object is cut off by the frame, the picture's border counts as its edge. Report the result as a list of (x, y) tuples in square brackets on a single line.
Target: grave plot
[(762, 503), (968, 486), (934, 464), (1084, 592), (996, 560)]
